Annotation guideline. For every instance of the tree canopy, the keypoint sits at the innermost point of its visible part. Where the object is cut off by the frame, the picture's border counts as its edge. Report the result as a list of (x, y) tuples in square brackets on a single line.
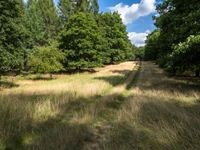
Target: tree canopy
[(86, 37), (13, 35), (81, 42), (174, 44)]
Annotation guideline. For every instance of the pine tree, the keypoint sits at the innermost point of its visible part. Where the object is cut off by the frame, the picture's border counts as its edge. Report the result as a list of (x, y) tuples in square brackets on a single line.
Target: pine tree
[(66, 8), (69, 7), (42, 21), (12, 35), (35, 24), (50, 17), (94, 6)]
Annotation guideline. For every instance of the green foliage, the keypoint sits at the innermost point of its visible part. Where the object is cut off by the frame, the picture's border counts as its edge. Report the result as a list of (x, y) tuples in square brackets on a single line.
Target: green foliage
[(5, 61), (186, 55), (35, 24), (66, 8), (50, 17), (87, 38), (13, 36), (178, 20), (116, 45), (46, 59), (81, 42), (139, 52), (94, 6), (152, 46), (42, 21), (69, 7)]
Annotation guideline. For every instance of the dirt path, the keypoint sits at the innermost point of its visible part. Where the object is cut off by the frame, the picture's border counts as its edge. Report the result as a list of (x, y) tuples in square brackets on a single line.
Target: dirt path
[(150, 74), (153, 80), (123, 87)]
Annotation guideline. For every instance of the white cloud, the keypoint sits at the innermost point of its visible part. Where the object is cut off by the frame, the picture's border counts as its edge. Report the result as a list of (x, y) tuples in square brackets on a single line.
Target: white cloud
[(135, 11), (138, 39)]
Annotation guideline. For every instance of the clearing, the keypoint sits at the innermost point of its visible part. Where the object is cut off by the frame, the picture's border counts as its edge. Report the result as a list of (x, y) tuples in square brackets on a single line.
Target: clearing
[(119, 107)]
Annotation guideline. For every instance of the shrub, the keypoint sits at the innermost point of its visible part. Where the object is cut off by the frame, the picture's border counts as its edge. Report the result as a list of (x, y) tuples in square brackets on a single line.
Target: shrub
[(46, 59), (185, 56)]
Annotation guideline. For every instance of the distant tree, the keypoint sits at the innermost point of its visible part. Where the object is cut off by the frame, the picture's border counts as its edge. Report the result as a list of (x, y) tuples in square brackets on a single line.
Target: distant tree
[(46, 59), (139, 52), (152, 46), (81, 42)]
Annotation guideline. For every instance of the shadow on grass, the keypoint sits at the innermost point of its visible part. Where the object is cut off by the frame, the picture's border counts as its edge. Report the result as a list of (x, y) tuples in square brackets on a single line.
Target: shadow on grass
[(159, 124), (156, 79), (21, 131), (40, 78), (74, 71), (175, 122), (157, 118), (123, 72), (8, 84), (113, 80)]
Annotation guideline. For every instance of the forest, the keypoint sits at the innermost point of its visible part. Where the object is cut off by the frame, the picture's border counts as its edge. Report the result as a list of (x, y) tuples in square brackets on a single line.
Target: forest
[(39, 37), (72, 78), (175, 44)]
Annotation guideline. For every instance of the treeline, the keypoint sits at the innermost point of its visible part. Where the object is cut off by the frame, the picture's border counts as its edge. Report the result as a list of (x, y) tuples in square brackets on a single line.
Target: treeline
[(40, 37), (175, 44)]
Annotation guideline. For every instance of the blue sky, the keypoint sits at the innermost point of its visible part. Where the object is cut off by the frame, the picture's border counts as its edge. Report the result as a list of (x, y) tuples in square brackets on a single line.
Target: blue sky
[(142, 24), (136, 15)]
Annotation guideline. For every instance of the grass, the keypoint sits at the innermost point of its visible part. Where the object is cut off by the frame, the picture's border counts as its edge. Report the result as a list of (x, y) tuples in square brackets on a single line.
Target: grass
[(123, 107)]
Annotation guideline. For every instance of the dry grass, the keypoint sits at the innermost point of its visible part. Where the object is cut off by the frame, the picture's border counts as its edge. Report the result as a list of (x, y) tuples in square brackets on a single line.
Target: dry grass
[(101, 111)]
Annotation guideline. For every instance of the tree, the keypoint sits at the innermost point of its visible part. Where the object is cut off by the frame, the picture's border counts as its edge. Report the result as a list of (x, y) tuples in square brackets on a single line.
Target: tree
[(117, 46), (178, 20), (46, 59), (81, 42), (139, 52), (50, 17), (185, 56), (12, 36), (69, 7), (94, 6), (152, 46), (66, 8), (42, 21), (35, 24)]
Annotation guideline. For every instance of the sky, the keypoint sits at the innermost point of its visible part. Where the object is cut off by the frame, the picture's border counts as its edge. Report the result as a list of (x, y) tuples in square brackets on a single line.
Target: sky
[(136, 15)]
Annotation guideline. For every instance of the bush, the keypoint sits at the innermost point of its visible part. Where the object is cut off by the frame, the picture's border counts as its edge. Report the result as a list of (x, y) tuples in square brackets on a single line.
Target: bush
[(46, 59), (185, 56)]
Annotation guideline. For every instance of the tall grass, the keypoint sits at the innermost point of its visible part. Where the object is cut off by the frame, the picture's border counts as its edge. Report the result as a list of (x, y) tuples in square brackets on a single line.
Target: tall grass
[(97, 111)]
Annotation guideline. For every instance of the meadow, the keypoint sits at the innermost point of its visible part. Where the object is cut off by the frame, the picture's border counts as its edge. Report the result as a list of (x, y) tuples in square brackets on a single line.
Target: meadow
[(126, 106)]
